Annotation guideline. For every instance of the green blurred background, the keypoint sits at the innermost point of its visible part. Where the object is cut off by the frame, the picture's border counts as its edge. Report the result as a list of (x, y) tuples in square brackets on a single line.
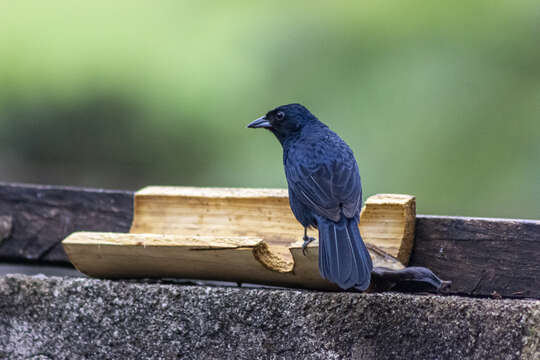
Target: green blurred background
[(439, 100)]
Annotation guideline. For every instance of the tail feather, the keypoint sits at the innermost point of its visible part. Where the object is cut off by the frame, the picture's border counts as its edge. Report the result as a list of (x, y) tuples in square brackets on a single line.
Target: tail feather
[(343, 256)]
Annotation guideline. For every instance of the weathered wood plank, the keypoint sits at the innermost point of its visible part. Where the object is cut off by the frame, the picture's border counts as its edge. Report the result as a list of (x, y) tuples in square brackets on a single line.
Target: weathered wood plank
[(42, 216), (481, 256)]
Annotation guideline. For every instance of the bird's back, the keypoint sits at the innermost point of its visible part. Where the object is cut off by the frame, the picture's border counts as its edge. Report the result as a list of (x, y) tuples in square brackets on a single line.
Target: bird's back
[(322, 172)]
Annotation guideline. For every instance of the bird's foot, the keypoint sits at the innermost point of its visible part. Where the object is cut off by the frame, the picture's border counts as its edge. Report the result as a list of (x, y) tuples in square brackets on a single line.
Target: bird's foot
[(307, 241)]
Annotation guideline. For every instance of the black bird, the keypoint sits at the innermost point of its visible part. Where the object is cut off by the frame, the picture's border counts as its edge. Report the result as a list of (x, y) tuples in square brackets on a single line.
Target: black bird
[(324, 191)]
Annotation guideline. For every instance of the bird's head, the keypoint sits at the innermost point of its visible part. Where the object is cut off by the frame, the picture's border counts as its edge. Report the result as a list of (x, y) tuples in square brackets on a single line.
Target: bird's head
[(285, 120)]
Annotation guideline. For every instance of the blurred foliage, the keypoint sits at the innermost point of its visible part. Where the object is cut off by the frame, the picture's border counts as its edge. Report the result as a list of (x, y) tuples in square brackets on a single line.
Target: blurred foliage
[(440, 100)]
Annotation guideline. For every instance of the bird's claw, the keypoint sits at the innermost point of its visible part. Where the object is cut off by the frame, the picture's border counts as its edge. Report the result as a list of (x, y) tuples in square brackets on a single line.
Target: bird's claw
[(307, 241)]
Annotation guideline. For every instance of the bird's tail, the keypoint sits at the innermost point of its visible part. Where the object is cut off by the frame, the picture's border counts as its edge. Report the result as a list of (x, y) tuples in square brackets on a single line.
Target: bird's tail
[(343, 257)]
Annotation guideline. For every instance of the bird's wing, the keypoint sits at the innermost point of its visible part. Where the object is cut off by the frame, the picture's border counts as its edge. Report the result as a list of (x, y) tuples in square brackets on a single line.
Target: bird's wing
[(328, 185)]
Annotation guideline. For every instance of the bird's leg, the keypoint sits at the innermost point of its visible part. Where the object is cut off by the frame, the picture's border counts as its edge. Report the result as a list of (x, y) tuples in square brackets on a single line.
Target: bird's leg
[(307, 240)]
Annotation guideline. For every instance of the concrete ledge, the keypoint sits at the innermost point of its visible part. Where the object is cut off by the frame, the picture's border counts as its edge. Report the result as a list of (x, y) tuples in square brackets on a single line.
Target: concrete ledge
[(73, 318)]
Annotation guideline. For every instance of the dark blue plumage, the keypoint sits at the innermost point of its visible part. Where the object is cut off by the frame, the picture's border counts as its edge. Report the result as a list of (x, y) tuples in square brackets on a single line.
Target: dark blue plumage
[(324, 191)]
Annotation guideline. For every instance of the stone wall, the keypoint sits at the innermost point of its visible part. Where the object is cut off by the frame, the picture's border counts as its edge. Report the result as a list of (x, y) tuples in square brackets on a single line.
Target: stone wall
[(74, 318)]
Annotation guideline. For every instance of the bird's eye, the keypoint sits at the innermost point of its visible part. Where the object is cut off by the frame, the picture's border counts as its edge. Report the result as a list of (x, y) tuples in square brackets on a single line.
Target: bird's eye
[(280, 115)]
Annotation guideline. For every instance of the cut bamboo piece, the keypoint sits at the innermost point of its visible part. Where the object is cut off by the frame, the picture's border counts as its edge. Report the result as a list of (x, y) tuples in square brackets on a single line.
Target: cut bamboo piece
[(226, 258), (262, 213), (387, 222), (243, 235)]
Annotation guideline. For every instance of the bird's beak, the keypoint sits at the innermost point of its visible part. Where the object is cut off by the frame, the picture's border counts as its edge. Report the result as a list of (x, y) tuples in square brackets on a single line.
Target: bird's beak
[(260, 123)]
